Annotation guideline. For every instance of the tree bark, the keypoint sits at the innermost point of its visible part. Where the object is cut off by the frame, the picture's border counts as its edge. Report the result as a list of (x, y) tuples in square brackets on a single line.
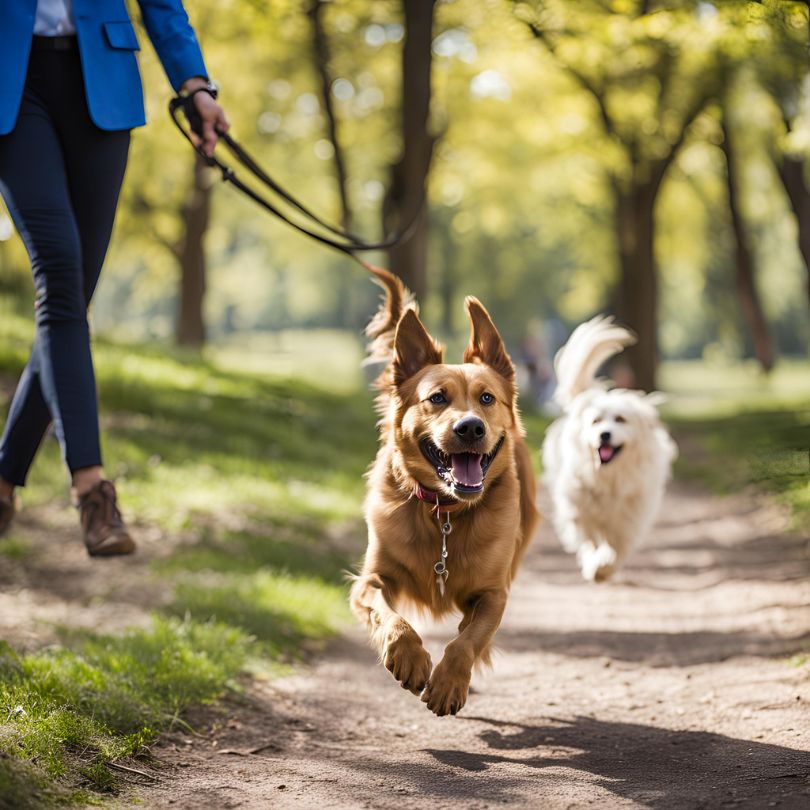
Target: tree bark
[(322, 59), (321, 52), (791, 171), (637, 299), (191, 256), (747, 292), (405, 200), (447, 282)]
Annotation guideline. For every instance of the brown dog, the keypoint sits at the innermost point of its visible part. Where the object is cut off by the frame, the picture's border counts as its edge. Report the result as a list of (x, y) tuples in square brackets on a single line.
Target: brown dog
[(452, 454)]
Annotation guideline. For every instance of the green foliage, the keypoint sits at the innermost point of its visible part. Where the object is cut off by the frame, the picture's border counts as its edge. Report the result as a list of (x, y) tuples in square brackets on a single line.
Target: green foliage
[(744, 430), (72, 711), (523, 175), (279, 610), (25, 787)]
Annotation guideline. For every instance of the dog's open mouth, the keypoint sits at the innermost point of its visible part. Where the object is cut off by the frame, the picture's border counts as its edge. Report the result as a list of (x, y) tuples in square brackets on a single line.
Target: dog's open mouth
[(464, 472), (607, 452)]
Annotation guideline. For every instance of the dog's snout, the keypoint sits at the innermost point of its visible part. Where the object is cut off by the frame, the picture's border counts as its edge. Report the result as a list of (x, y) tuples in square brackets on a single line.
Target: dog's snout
[(470, 428), (605, 437)]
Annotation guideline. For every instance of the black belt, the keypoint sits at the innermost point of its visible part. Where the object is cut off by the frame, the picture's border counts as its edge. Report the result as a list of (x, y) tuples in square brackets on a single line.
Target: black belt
[(62, 43)]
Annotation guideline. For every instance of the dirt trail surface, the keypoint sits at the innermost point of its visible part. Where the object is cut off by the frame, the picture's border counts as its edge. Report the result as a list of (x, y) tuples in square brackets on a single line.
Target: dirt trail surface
[(672, 687)]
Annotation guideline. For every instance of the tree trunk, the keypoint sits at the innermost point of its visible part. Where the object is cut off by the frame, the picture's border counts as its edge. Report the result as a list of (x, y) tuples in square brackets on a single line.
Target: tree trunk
[(191, 256), (750, 303), (321, 52), (637, 304), (405, 200), (447, 282), (791, 170), (322, 58)]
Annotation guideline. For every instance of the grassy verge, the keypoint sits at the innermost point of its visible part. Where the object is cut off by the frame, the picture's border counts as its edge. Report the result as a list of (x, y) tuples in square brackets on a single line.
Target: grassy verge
[(261, 477), (74, 710), (738, 429)]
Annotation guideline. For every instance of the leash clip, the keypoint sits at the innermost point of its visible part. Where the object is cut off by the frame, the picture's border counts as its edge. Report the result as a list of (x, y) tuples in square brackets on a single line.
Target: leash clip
[(440, 567)]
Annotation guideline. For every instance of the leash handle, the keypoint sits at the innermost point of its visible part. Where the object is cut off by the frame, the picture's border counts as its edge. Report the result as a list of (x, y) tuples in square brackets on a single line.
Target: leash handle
[(192, 114)]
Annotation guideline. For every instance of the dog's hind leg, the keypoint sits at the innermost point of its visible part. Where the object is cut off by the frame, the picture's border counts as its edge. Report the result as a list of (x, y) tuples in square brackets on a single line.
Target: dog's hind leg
[(446, 692), (398, 644)]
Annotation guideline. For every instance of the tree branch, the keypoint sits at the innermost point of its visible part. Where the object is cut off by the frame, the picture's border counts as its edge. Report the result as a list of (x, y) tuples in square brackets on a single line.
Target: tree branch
[(541, 34), (141, 205), (692, 112), (320, 48)]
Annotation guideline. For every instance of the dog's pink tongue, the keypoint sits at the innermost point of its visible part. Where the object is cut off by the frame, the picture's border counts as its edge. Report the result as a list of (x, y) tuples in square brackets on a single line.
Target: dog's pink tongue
[(467, 469), (606, 453)]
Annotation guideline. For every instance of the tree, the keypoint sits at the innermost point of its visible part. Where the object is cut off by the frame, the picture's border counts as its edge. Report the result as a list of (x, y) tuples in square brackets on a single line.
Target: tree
[(747, 293), (191, 259), (783, 66), (322, 61), (406, 198), (648, 86)]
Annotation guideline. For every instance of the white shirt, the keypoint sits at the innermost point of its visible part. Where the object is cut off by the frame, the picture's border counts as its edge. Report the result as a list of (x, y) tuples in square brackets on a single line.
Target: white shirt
[(54, 18)]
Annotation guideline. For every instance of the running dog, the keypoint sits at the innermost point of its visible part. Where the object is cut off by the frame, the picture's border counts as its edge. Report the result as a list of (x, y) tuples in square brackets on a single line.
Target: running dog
[(450, 503), (607, 459)]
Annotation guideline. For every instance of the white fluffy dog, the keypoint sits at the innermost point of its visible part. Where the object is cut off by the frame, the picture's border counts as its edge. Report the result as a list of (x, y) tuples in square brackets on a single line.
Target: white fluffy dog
[(607, 458)]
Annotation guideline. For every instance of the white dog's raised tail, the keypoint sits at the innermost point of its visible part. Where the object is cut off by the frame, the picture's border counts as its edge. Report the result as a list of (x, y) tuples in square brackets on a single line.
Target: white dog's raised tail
[(591, 344)]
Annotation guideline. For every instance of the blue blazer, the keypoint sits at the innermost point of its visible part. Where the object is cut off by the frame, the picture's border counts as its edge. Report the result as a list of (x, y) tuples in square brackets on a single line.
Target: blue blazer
[(107, 44)]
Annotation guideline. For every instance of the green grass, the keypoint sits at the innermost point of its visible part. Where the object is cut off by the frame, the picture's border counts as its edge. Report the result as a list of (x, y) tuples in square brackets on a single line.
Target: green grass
[(741, 429), (72, 710), (262, 476)]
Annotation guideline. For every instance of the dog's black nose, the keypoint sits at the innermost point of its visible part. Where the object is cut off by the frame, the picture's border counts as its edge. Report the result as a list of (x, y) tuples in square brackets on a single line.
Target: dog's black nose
[(605, 437), (470, 428)]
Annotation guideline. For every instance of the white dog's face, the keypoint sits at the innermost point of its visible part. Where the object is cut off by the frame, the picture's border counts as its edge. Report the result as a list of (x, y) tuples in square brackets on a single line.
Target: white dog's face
[(613, 422)]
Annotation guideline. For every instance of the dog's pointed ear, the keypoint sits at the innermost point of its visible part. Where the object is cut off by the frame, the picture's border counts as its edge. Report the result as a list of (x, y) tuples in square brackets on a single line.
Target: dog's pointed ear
[(486, 345), (414, 348)]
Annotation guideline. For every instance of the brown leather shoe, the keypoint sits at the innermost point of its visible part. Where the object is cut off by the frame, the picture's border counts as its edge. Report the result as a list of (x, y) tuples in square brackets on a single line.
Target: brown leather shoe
[(104, 531), (7, 510)]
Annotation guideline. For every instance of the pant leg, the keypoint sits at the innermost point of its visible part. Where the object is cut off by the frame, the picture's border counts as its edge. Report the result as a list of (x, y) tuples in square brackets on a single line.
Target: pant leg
[(28, 420), (58, 382), (33, 183), (95, 162)]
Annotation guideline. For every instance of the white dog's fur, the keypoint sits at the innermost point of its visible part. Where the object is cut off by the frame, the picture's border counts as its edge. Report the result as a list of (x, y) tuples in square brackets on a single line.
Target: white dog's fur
[(607, 458)]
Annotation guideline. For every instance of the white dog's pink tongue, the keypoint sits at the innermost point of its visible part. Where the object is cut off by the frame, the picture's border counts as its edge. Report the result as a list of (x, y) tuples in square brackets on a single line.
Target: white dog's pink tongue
[(467, 469), (606, 453)]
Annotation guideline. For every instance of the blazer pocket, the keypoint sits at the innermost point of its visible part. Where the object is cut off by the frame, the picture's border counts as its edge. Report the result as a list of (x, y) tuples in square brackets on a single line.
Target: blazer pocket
[(121, 35)]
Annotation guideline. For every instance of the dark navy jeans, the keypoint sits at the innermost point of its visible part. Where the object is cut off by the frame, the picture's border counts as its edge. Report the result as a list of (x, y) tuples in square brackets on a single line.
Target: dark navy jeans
[(60, 177)]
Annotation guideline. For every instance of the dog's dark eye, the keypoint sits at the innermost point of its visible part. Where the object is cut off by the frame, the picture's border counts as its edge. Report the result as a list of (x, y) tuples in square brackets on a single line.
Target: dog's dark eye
[(620, 419), (438, 398), (487, 398)]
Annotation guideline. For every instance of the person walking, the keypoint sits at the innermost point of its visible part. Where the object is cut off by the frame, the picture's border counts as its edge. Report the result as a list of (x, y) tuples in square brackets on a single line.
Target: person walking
[(69, 96)]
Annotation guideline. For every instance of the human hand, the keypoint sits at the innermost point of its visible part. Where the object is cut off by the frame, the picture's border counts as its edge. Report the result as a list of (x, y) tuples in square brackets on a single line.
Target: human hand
[(211, 114)]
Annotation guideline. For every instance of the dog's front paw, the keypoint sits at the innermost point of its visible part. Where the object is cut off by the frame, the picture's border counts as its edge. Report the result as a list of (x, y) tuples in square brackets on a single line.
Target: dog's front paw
[(597, 563), (446, 691), (407, 660)]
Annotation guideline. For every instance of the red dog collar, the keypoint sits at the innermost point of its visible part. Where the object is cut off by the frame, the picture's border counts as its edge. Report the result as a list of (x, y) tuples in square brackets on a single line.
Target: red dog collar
[(435, 501)]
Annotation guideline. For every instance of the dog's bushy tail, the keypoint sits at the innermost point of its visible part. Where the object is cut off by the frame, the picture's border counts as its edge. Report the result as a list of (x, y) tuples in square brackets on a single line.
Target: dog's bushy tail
[(590, 345), (382, 328)]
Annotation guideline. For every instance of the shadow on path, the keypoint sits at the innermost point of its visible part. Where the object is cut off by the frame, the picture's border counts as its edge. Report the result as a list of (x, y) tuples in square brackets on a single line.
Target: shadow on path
[(659, 649), (658, 767)]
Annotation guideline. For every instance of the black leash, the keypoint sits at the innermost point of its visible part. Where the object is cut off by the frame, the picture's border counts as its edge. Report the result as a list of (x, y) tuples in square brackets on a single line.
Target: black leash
[(336, 238)]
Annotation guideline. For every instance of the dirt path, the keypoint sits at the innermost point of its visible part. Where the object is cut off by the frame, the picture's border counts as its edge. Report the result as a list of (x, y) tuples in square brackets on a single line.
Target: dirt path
[(671, 688)]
